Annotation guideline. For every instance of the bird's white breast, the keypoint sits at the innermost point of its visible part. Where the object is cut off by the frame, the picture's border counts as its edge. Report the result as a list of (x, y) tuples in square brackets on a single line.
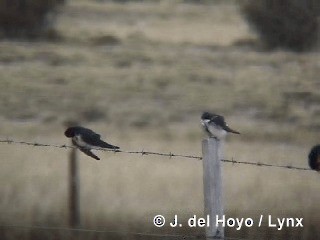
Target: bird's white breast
[(215, 130), (80, 142)]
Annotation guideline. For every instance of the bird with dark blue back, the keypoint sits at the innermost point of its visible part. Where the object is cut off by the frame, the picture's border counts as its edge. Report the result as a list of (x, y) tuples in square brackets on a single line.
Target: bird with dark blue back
[(86, 139), (215, 125)]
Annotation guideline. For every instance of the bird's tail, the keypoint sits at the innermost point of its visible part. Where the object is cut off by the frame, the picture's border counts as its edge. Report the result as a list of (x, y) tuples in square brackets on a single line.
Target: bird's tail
[(231, 130), (89, 153), (107, 145)]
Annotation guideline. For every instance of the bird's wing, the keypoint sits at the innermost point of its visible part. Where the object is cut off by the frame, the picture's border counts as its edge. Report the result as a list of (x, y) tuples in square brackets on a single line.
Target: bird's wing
[(228, 129), (218, 120), (100, 143), (89, 153), (90, 137)]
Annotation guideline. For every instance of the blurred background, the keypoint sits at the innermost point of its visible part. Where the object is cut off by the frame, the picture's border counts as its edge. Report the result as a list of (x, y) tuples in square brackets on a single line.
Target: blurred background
[(140, 73)]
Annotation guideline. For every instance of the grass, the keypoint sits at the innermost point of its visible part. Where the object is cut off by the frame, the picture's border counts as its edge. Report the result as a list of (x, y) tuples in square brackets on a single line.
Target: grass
[(141, 74)]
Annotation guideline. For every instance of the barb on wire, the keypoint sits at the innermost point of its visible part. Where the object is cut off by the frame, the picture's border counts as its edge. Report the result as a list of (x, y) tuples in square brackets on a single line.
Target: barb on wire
[(170, 154)]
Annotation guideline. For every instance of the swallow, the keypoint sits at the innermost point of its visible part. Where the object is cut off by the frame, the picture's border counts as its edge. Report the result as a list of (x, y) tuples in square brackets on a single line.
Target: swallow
[(86, 139), (215, 125), (314, 158)]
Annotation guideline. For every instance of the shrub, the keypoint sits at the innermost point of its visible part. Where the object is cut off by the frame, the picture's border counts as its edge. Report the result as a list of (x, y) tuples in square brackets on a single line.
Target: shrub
[(27, 18), (291, 24)]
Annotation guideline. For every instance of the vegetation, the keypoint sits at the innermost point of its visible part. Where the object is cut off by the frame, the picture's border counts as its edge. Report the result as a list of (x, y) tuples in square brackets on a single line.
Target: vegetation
[(290, 24), (27, 18)]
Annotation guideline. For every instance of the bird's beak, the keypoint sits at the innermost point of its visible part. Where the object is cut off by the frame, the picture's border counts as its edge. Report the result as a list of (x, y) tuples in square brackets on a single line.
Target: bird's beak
[(204, 121)]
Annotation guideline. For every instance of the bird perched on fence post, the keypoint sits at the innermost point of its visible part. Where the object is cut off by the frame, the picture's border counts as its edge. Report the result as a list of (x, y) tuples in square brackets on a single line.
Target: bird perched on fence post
[(86, 139), (215, 125), (314, 158)]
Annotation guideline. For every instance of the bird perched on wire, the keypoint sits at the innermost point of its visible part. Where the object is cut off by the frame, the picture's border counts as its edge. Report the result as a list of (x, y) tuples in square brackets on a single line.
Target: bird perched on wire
[(86, 139), (215, 125), (314, 158)]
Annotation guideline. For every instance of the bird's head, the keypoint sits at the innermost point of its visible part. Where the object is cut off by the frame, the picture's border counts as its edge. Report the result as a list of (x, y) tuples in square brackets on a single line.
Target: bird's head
[(70, 132), (314, 158), (206, 115)]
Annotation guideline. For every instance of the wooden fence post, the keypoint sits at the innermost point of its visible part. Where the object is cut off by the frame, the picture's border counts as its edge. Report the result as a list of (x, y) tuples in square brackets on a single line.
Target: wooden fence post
[(212, 181), (74, 190)]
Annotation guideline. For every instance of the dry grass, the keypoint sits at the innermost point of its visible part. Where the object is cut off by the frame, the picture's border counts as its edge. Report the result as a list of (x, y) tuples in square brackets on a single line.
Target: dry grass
[(140, 74)]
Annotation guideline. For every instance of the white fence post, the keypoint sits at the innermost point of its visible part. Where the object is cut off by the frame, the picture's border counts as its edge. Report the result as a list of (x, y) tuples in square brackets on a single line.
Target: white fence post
[(212, 181)]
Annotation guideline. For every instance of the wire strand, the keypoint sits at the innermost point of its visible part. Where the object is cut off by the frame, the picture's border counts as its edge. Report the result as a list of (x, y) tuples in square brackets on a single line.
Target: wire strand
[(147, 234)]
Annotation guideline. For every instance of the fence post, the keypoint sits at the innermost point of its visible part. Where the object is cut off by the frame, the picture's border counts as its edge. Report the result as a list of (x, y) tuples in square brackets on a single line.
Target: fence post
[(74, 190), (212, 182)]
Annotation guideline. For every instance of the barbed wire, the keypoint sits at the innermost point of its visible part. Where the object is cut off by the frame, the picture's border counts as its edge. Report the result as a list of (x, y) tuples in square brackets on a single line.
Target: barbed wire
[(142, 152), (145, 234), (261, 164), (170, 154)]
